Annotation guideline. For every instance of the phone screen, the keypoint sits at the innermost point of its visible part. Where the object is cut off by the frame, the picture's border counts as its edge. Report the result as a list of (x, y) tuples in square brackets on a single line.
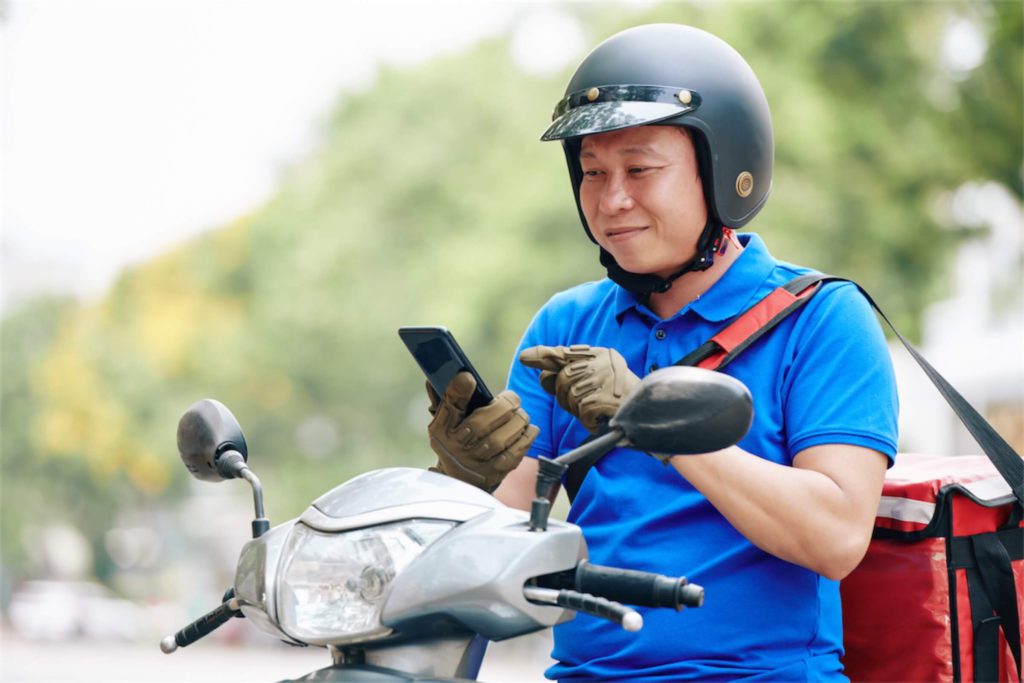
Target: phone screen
[(441, 358)]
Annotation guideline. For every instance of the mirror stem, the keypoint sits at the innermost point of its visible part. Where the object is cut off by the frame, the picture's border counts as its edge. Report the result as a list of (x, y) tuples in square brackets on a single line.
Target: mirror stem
[(600, 445), (261, 524), (232, 465), (550, 472), (549, 475)]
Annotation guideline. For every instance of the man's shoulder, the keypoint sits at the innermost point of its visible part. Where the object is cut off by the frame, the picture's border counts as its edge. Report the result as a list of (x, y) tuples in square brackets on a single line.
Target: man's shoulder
[(588, 296), (783, 272), (837, 300), (590, 303), (837, 308)]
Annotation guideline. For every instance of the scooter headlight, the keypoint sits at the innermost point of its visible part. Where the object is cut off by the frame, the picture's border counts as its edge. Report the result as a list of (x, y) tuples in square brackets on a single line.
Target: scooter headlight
[(333, 585)]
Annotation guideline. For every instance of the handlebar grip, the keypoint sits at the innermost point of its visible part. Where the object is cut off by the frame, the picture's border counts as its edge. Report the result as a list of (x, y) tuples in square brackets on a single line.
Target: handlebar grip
[(635, 587), (203, 626), (629, 619)]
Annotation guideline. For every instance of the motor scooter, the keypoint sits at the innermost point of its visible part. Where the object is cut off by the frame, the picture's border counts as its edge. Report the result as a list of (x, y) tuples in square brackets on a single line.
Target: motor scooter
[(404, 574)]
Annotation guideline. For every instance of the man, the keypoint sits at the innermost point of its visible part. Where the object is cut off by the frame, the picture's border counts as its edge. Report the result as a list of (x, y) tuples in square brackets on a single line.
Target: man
[(668, 140)]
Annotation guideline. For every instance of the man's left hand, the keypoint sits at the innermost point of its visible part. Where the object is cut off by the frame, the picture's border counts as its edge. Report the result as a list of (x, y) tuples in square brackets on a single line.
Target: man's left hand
[(590, 382)]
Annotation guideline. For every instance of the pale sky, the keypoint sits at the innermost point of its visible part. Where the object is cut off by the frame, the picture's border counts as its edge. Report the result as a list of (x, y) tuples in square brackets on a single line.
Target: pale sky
[(129, 125)]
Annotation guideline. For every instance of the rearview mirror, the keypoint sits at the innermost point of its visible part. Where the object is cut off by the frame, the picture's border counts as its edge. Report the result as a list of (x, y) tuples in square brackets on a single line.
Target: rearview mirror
[(206, 431), (684, 411)]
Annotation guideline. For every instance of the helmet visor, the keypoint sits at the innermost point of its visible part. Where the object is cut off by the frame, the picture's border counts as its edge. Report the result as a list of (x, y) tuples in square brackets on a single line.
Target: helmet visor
[(611, 107)]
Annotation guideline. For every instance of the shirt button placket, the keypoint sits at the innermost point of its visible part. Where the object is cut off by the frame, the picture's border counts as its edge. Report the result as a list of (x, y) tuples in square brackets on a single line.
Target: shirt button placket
[(660, 335)]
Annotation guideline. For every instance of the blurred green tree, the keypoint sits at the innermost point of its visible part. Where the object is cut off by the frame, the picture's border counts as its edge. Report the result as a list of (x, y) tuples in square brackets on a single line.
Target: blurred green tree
[(430, 201)]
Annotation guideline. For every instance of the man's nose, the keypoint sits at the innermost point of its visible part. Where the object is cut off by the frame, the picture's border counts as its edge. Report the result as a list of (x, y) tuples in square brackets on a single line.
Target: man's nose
[(615, 196)]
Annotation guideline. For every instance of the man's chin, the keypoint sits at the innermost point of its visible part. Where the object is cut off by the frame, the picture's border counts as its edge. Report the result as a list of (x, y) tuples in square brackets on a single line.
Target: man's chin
[(632, 264), (648, 268)]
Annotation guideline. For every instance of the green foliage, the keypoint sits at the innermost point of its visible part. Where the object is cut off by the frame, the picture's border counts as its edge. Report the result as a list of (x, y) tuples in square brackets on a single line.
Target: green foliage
[(36, 488), (430, 201)]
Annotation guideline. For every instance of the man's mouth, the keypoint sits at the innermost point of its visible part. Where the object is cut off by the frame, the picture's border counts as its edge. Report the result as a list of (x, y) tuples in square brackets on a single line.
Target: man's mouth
[(623, 233)]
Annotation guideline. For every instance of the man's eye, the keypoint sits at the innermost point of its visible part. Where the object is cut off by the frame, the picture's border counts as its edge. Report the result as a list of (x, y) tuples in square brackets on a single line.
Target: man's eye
[(591, 173), (637, 170)]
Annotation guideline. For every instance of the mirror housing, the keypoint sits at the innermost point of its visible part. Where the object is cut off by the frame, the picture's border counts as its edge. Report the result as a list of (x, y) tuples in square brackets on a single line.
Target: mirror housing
[(685, 411), (206, 432)]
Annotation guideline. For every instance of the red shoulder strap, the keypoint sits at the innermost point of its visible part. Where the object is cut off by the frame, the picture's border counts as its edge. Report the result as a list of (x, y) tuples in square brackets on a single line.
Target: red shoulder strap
[(760, 318), (717, 352)]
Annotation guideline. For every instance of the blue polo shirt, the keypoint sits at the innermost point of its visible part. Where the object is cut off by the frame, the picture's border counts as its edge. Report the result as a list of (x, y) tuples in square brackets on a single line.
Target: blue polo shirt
[(822, 376)]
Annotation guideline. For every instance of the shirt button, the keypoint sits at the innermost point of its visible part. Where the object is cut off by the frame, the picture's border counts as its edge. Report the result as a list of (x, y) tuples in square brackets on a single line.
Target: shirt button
[(659, 335), (654, 367)]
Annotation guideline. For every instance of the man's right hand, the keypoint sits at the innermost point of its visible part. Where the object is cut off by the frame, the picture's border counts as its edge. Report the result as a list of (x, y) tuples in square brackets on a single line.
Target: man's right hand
[(590, 382), (484, 446)]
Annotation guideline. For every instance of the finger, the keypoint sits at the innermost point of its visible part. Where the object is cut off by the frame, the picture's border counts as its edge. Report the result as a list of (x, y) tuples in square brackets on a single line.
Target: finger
[(620, 373), (501, 438), (544, 357), (486, 419), (584, 387), (451, 466), (434, 399), (506, 462), (459, 392), (563, 392), (574, 396), (548, 380), (509, 459), (593, 412), (579, 368)]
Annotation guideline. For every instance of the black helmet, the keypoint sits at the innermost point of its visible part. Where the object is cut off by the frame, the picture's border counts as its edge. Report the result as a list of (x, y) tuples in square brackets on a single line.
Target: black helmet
[(669, 74)]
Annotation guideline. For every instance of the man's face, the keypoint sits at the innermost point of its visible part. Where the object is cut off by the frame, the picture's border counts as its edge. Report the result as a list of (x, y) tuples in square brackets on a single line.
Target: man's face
[(642, 196)]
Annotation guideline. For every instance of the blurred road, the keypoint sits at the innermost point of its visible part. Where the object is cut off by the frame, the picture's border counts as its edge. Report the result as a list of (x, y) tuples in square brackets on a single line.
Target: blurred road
[(21, 661)]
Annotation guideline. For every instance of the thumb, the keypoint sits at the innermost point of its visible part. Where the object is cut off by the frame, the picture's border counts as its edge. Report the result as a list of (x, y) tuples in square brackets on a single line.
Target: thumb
[(552, 358), (435, 400), (459, 391), (549, 381), (623, 379)]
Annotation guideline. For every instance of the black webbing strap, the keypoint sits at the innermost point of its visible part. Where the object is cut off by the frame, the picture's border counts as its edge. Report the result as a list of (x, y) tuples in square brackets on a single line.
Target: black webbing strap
[(1006, 461), (997, 579), (984, 631), (992, 589)]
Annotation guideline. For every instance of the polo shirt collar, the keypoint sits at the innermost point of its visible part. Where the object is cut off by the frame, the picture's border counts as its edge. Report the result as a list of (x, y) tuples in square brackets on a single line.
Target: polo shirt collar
[(731, 294)]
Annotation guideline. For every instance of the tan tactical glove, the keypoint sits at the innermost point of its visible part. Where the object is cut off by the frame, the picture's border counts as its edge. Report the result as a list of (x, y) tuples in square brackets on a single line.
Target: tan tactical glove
[(590, 382), (481, 448)]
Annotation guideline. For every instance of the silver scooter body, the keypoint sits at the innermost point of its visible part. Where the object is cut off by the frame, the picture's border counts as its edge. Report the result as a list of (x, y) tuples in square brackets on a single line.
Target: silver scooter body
[(467, 581), (403, 574)]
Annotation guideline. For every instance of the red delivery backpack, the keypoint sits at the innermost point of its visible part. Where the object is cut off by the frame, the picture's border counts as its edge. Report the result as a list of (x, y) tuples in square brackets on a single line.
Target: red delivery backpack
[(939, 597)]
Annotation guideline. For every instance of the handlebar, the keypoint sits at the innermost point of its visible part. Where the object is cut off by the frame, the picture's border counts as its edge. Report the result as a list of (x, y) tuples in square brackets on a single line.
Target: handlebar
[(203, 626), (631, 586), (625, 617)]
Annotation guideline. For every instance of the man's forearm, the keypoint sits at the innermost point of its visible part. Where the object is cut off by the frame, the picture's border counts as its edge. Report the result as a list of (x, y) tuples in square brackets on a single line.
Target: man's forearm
[(817, 514), (519, 487)]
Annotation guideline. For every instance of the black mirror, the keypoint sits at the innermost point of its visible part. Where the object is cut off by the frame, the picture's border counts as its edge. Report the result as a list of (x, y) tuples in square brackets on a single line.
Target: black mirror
[(207, 431), (684, 410)]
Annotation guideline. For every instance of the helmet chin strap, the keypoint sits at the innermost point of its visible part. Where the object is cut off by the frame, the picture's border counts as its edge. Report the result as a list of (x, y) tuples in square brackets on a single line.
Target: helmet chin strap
[(645, 284)]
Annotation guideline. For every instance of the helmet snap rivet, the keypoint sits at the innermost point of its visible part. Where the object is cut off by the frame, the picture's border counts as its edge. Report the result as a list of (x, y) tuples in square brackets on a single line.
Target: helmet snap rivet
[(593, 94), (684, 96), (744, 184)]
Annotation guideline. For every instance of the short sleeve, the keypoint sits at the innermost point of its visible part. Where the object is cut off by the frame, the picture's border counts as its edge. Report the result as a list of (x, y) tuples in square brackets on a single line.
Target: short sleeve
[(839, 386)]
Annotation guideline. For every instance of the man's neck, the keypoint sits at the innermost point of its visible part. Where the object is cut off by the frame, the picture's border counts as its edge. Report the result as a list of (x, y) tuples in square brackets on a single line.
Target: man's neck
[(691, 286)]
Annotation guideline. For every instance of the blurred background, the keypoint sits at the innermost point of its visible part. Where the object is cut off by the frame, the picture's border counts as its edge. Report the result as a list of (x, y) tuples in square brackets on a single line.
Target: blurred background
[(245, 200)]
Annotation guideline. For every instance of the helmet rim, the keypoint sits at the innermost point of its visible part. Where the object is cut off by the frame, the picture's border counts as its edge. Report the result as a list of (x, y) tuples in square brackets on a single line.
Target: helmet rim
[(601, 109)]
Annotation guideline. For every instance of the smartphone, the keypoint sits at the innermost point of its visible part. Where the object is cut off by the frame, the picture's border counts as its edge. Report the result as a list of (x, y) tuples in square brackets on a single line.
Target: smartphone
[(441, 358)]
